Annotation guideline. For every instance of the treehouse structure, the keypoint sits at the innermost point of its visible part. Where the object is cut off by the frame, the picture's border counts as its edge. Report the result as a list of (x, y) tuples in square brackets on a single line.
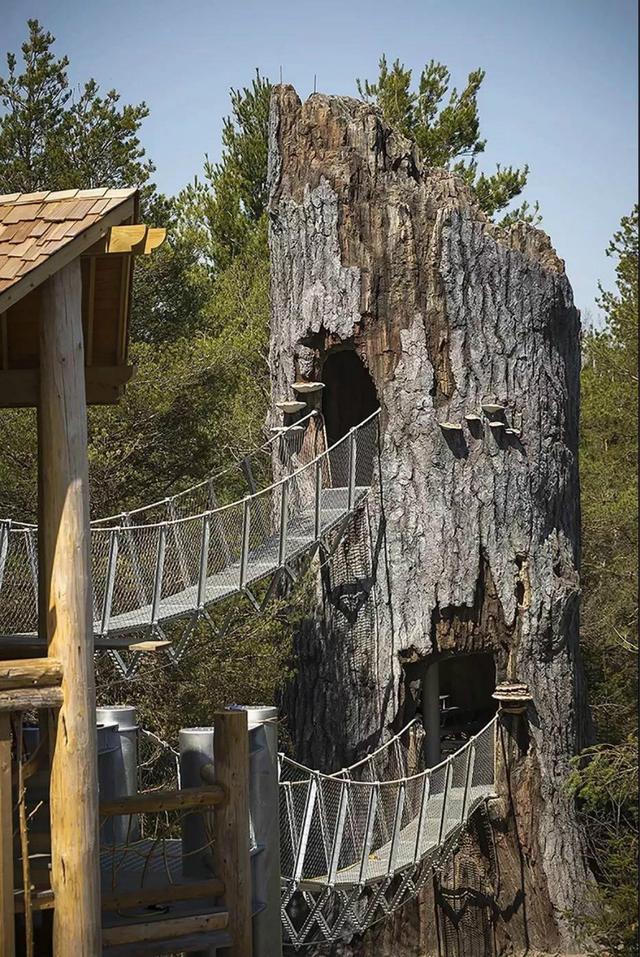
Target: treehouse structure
[(65, 281), (423, 440), (66, 262), (456, 587)]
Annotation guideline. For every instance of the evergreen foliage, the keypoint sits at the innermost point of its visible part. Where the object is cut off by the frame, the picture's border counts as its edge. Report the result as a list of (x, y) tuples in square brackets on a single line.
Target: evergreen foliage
[(606, 777), (447, 131), (51, 139), (220, 213)]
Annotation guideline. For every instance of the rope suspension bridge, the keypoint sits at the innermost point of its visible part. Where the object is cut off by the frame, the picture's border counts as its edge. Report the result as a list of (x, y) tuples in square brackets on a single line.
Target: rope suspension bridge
[(163, 563), (355, 845)]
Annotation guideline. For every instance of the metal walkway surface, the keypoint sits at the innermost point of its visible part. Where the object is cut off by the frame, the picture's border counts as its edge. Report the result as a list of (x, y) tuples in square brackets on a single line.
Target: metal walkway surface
[(354, 844), (148, 574)]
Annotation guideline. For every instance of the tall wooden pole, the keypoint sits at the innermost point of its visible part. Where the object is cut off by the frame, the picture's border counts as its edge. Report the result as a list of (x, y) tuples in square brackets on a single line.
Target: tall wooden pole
[(66, 566), (231, 826), (7, 931)]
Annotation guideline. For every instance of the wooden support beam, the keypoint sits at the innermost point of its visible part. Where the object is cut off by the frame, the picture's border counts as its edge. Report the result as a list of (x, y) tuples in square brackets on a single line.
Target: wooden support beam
[(62, 421), (139, 239), (29, 699), (231, 826), (4, 342), (155, 237), (165, 929), (19, 388), (148, 896), (150, 802), (126, 239), (7, 928), (30, 673)]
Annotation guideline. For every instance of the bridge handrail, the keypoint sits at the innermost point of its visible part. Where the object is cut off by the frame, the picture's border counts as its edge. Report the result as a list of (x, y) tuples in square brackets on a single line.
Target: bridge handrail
[(170, 499), (292, 476), (145, 574), (319, 775)]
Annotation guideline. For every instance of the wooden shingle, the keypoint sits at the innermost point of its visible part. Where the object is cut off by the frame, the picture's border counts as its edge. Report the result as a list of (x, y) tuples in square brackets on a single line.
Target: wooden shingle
[(37, 226)]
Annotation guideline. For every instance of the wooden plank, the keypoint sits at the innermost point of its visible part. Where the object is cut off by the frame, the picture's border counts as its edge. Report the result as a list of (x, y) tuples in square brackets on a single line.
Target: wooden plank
[(123, 315), (28, 699), (40, 900), (19, 388), (7, 928), (167, 929), (62, 421), (30, 672), (149, 802), (4, 342), (91, 292), (231, 826), (150, 645), (147, 896)]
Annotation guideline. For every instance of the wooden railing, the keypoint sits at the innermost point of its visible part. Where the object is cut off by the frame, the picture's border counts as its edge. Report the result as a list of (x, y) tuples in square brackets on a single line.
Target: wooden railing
[(228, 894), (25, 685), (34, 684)]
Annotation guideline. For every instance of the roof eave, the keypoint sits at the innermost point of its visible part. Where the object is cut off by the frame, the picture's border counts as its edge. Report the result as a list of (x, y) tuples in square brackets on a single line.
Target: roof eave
[(70, 251)]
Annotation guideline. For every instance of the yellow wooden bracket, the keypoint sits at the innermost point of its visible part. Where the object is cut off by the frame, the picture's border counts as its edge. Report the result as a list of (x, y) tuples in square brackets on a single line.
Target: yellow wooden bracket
[(139, 239)]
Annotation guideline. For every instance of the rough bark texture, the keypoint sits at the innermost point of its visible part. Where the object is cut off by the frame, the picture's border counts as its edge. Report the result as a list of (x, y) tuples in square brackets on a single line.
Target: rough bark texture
[(469, 543)]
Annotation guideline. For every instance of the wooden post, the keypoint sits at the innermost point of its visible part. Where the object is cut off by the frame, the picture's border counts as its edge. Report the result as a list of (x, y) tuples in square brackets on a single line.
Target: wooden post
[(231, 826), (7, 929), (67, 595)]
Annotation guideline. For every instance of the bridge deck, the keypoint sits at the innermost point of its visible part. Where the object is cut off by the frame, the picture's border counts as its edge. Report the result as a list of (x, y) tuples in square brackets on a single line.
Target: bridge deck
[(405, 855)]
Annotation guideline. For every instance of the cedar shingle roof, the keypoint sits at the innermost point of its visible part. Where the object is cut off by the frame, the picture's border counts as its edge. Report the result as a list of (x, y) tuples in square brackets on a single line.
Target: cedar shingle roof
[(34, 227)]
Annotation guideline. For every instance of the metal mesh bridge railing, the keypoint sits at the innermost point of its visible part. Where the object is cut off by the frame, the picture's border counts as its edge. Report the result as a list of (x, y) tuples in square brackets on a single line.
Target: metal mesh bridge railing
[(147, 573), (354, 844)]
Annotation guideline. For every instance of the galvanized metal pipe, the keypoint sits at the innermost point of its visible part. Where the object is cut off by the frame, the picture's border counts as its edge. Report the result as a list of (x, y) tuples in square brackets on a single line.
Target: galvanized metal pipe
[(196, 751), (124, 767), (353, 451), (431, 713), (264, 804)]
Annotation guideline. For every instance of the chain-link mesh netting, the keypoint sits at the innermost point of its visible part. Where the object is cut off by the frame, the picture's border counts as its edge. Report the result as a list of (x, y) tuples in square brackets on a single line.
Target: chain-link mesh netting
[(145, 573), (353, 842)]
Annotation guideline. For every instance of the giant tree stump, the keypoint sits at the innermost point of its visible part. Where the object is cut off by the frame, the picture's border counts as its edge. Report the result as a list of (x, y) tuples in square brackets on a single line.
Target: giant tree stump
[(472, 538)]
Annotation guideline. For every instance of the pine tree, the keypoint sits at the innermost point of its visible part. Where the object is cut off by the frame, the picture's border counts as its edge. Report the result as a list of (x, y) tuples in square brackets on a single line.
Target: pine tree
[(606, 777), (51, 139), (447, 132)]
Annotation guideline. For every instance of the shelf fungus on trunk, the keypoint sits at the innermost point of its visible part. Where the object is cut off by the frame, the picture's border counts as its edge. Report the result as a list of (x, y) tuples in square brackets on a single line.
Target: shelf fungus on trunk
[(377, 256), (290, 406)]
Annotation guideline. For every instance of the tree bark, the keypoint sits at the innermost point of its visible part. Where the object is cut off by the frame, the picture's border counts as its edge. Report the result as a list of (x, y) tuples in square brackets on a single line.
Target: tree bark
[(469, 542)]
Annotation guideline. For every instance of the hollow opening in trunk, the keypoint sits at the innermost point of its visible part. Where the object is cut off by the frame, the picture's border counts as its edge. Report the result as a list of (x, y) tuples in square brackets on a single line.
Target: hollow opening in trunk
[(466, 685), (349, 394), (456, 700)]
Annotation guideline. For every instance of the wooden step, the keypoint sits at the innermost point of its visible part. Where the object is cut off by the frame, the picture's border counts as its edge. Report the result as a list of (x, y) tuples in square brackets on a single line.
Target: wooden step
[(179, 945), (141, 931)]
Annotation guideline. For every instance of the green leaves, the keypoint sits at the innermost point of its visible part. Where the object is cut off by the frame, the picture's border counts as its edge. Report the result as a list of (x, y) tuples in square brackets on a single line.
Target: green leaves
[(447, 131), (51, 139), (605, 778), (219, 214)]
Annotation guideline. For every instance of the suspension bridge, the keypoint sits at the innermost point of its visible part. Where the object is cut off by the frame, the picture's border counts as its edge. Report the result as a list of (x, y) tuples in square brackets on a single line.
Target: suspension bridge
[(165, 563), (357, 844)]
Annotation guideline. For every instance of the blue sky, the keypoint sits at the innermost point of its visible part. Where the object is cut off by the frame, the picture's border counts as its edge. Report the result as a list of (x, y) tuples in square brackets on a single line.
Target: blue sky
[(560, 92)]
